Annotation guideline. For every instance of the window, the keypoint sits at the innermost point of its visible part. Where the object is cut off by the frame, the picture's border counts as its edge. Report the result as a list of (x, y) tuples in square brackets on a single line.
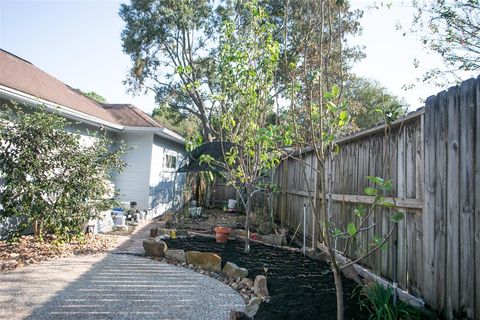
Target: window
[(170, 161)]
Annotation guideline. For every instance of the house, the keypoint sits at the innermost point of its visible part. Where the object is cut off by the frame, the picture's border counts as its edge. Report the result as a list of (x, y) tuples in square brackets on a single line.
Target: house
[(150, 179)]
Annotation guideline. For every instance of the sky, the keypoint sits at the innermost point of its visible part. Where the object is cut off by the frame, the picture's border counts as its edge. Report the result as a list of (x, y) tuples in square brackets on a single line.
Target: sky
[(78, 42)]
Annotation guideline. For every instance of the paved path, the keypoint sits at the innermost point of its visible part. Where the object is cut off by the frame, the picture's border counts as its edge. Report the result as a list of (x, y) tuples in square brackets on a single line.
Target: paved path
[(113, 286)]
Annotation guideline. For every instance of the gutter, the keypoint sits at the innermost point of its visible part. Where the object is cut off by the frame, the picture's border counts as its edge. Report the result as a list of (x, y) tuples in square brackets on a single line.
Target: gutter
[(85, 118), (162, 132), (64, 110)]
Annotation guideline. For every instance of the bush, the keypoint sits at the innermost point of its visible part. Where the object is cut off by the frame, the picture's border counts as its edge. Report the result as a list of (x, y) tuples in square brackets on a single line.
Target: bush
[(378, 300), (50, 179)]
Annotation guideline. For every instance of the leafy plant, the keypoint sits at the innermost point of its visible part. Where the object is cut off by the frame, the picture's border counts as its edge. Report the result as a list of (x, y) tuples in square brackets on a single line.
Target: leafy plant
[(249, 56), (378, 300), (51, 180)]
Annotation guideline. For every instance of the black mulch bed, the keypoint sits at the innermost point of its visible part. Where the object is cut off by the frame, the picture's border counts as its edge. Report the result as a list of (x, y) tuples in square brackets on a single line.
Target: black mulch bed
[(300, 287)]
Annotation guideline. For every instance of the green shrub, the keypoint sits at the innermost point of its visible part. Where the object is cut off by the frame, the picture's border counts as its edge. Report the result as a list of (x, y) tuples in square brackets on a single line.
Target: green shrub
[(50, 179), (378, 301)]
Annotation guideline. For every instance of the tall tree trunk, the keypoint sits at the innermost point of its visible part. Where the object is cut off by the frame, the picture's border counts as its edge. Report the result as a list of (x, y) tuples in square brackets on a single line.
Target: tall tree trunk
[(338, 287), (247, 213)]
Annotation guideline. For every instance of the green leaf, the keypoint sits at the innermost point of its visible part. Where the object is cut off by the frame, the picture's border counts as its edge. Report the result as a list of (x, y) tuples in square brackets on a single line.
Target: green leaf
[(376, 180), (388, 204), (396, 217), (328, 95), (335, 91), (359, 212), (343, 115), (351, 229), (371, 191)]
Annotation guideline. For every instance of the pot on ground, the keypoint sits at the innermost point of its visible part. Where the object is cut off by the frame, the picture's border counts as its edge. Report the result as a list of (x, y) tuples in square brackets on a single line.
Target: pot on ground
[(221, 234)]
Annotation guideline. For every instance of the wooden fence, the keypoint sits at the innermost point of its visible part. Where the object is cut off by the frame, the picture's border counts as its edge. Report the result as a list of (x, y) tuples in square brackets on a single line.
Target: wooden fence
[(434, 161)]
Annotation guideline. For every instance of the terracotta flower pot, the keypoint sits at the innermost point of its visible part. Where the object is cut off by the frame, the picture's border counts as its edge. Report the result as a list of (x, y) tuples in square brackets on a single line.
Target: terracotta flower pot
[(221, 234)]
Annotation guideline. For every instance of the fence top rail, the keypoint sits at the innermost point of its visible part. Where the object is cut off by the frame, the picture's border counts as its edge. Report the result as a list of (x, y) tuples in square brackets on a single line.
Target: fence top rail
[(360, 134)]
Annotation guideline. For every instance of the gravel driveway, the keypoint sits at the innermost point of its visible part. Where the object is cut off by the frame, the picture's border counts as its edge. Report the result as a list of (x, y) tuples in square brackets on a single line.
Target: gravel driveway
[(113, 286)]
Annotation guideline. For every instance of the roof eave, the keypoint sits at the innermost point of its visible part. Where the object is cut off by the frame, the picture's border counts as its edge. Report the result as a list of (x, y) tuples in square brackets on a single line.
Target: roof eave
[(162, 132), (64, 110)]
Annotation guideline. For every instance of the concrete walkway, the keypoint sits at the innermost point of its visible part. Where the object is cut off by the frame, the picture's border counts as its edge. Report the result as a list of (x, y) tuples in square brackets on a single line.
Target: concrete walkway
[(113, 286)]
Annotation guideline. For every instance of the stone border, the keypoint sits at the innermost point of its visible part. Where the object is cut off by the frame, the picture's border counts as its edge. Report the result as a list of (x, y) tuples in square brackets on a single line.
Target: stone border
[(254, 292)]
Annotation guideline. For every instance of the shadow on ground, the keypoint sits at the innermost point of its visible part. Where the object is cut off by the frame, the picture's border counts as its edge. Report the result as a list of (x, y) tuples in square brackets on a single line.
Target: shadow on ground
[(120, 285), (131, 287)]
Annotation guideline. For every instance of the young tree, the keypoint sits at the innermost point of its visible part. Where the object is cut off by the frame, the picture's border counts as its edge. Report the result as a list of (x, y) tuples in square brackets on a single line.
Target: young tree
[(318, 117), (248, 59), (51, 180)]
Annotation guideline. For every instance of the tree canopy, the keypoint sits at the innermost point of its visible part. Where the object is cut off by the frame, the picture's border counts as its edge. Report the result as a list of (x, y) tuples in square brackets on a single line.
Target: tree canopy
[(369, 103), (94, 96), (174, 47), (451, 29)]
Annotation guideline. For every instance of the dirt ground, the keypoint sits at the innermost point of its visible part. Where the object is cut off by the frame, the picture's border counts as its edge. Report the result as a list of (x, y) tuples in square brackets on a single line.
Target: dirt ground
[(209, 220)]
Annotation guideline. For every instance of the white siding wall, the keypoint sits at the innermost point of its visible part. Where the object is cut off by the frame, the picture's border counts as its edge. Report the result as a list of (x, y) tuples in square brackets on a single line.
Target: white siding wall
[(162, 178), (133, 182)]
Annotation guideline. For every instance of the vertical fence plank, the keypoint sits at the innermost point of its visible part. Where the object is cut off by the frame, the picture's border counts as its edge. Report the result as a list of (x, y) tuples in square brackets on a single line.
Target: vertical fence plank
[(477, 200), (401, 193), (453, 212), (467, 187), (429, 201), (410, 192), (440, 199), (418, 219)]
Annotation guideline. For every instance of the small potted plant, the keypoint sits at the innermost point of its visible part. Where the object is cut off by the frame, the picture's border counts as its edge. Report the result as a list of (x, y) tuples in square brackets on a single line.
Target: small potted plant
[(221, 234)]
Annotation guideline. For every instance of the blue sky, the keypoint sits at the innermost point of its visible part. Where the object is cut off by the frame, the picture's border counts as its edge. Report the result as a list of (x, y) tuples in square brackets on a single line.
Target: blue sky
[(79, 43)]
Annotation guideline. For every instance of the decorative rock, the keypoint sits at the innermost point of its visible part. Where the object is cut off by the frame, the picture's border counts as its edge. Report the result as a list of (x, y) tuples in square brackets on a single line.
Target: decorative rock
[(252, 307), (236, 315), (233, 271), (178, 255), (275, 239), (154, 249), (156, 232), (205, 260), (248, 283), (260, 286)]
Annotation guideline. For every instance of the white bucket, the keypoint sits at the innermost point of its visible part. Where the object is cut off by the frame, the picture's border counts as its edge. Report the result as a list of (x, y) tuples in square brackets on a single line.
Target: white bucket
[(232, 204), (119, 220)]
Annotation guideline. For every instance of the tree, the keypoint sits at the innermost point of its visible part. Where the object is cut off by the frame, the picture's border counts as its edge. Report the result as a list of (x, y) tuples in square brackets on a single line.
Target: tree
[(451, 29), (319, 114), (55, 184), (94, 96), (184, 123), (171, 44), (174, 48), (370, 104), (248, 59)]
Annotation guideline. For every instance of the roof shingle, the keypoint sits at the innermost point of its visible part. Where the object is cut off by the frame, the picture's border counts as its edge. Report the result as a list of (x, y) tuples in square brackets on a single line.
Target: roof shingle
[(23, 76)]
